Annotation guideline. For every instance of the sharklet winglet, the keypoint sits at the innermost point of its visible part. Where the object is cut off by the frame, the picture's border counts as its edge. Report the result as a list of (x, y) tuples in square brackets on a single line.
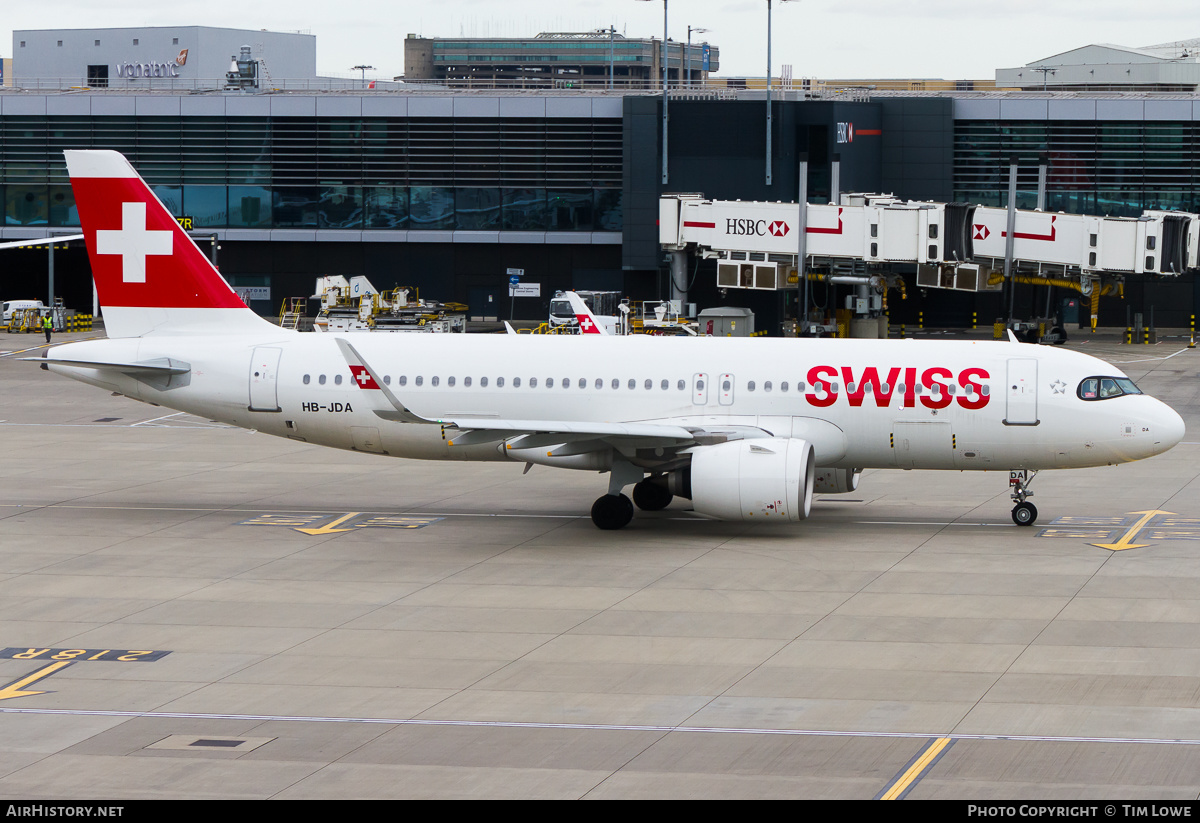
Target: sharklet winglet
[(402, 413)]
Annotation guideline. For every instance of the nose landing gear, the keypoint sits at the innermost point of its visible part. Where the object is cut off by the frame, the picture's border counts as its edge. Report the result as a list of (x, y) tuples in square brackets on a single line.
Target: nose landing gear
[(1024, 513)]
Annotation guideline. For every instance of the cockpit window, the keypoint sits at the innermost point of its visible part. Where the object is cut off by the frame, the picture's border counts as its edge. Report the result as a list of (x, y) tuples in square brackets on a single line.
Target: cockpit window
[(1105, 388)]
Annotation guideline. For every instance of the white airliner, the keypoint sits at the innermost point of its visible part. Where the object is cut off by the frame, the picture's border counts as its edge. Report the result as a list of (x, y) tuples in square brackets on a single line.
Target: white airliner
[(747, 429)]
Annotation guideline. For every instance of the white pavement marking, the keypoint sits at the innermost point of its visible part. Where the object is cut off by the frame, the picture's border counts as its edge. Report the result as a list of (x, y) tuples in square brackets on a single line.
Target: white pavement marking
[(505, 724)]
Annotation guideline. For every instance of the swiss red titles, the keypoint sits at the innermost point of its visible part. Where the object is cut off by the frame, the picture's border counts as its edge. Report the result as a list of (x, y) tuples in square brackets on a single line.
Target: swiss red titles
[(935, 383)]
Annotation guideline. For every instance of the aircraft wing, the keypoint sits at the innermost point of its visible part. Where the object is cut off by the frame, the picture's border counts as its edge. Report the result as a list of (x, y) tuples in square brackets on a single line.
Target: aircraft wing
[(534, 433), (581, 436), (576, 435)]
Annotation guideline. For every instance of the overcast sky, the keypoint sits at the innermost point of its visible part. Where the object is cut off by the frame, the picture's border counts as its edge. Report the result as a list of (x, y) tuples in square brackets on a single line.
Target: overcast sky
[(950, 39)]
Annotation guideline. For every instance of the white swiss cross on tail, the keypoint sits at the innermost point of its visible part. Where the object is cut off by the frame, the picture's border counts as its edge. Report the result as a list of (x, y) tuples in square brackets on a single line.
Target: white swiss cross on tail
[(133, 242)]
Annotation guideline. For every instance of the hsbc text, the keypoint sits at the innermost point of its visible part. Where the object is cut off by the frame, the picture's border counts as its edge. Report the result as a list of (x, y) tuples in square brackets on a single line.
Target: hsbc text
[(746, 227)]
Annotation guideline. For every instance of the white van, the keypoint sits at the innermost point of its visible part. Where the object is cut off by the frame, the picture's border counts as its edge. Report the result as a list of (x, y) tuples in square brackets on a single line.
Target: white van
[(12, 306)]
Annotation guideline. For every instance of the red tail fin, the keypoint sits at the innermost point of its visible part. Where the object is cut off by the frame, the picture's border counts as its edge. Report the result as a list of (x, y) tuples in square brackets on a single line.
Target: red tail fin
[(588, 324), (150, 276)]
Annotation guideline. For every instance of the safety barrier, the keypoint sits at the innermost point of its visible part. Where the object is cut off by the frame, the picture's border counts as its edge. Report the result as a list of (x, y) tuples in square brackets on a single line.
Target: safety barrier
[(31, 320)]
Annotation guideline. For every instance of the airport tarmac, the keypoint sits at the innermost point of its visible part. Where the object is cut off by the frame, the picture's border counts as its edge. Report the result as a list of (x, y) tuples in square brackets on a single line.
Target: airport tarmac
[(170, 630)]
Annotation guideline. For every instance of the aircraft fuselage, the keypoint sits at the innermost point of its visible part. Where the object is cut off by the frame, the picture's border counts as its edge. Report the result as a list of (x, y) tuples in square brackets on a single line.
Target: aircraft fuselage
[(861, 403)]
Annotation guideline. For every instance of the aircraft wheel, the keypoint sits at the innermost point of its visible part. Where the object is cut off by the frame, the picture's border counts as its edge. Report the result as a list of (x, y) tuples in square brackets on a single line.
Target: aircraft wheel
[(651, 497), (1023, 514), (612, 511)]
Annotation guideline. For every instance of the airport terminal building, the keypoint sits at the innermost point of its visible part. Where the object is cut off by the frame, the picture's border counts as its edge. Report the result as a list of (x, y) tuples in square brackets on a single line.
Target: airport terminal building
[(448, 189)]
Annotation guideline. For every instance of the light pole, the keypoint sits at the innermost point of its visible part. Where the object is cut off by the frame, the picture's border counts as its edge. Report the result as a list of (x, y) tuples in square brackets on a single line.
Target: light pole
[(769, 95), (611, 32), (363, 69), (688, 57), (1045, 71), (664, 91)]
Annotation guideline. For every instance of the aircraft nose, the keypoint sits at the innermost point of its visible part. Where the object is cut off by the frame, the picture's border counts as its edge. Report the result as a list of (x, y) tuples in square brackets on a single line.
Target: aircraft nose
[(1166, 427)]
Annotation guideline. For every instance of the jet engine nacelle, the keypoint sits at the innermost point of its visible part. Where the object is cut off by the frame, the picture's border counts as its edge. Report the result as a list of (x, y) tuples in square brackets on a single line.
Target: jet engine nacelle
[(836, 481), (755, 480)]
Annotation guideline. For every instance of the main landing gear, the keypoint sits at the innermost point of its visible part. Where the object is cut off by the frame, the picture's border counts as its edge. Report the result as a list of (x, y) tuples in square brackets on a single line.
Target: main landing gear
[(652, 494), (1024, 513), (614, 510)]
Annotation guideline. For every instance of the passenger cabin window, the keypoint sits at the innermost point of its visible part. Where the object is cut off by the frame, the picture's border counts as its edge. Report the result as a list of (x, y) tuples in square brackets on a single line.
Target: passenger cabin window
[(1106, 388)]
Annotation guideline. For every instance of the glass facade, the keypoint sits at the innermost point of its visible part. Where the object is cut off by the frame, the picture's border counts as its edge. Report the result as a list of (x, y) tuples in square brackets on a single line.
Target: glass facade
[(480, 174), (1094, 167)]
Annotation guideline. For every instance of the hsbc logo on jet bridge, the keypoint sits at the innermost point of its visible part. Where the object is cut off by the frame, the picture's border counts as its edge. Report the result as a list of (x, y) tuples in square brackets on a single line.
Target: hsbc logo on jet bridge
[(756, 228)]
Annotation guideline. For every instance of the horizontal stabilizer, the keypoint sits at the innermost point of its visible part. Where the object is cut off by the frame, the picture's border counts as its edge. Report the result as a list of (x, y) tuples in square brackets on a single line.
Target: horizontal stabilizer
[(162, 366), (44, 241)]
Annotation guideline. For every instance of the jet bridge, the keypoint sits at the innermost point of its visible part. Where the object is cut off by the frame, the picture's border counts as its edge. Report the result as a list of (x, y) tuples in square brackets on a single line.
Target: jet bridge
[(940, 238), (955, 246)]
